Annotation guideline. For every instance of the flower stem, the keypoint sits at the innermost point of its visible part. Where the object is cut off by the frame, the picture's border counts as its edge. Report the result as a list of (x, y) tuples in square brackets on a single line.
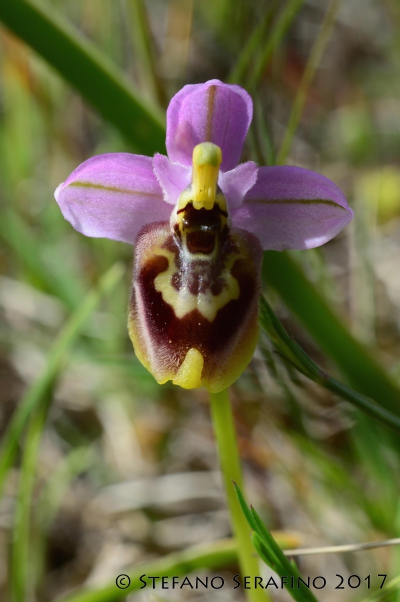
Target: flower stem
[(230, 465)]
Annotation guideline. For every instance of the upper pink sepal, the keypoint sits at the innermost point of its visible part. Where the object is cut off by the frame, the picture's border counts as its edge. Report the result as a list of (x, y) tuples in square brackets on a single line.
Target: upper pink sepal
[(210, 112), (113, 196), (292, 208)]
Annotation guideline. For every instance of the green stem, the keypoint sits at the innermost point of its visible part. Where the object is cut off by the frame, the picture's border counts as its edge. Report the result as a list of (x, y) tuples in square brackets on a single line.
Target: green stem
[(230, 465)]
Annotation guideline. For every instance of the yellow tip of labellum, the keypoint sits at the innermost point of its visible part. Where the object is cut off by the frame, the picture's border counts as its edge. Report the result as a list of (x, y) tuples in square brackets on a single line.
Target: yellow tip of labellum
[(207, 158), (189, 373)]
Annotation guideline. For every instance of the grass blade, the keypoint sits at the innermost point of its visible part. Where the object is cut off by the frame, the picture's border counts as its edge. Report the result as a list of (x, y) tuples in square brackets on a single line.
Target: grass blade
[(212, 556), (283, 23), (88, 70), (245, 509), (330, 332), (33, 398), (51, 497), (293, 353), (288, 574), (24, 245), (270, 552), (252, 46), (308, 75), (21, 575), (264, 553), (144, 48)]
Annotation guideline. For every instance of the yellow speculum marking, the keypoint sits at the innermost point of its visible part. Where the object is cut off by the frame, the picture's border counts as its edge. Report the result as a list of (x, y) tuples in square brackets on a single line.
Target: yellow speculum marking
[(183, 301)]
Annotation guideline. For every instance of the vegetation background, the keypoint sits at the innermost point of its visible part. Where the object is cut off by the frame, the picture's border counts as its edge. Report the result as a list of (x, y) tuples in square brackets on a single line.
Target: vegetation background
[(101, 468)]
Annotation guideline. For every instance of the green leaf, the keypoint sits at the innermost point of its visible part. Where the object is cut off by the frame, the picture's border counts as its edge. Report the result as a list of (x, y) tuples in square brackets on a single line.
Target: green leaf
[(292, 353), (330, 331), (271, 553), (264, 552), (88, 70), (273, 556), (244, 507)]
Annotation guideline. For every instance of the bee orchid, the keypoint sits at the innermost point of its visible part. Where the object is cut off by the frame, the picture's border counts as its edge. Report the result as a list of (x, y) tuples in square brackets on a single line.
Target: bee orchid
[(199, 221)]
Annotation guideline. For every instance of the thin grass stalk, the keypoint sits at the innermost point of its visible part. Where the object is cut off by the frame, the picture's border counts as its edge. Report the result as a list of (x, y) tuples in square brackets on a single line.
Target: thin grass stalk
[(355, 361), (263, 133), (24, 244), (36, 392), (252, 46), (283, 23), (144, 47), (49, 501), (294, 355), (21, 566), (308, 75), (228, 453), (352, 547)]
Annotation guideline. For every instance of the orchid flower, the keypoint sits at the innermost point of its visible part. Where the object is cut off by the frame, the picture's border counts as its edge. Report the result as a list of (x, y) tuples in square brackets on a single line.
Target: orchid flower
[(199, 222)]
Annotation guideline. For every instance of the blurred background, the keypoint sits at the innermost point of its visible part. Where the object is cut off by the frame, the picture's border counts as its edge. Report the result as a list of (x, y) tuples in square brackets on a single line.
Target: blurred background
[(126, 470)]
